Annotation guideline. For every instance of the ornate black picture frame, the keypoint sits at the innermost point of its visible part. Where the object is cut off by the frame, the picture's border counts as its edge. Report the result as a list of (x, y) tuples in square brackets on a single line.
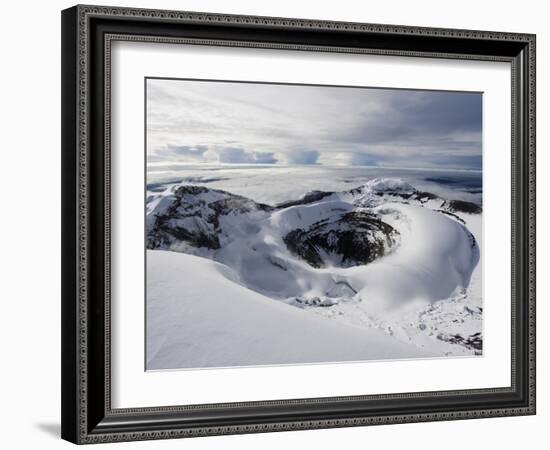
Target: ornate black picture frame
[(87, 34)]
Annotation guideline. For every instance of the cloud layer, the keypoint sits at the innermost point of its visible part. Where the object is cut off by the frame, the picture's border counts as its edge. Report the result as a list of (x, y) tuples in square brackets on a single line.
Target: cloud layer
[(252, 123)]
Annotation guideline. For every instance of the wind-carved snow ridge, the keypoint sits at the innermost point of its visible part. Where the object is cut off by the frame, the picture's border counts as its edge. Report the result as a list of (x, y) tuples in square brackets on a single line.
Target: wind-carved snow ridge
[(382, 255)]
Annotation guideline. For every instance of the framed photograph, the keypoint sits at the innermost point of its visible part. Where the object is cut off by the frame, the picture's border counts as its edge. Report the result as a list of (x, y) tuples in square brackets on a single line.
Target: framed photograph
[(268, 221)]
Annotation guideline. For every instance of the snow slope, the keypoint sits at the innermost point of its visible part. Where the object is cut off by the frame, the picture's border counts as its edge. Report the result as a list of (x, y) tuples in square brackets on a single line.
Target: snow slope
[(422, 289), (210, 318), (435, 258)]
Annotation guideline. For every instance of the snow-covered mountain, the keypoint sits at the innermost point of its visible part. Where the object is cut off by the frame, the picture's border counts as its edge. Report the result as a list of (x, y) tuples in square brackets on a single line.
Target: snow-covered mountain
[(381, 255)]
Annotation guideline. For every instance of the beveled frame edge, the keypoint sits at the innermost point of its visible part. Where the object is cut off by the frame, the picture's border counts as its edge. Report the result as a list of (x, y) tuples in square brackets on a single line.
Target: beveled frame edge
[(76, 217)]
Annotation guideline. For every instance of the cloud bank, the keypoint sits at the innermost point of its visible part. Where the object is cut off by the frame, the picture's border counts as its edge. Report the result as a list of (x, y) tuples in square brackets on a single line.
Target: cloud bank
[(198, 122)]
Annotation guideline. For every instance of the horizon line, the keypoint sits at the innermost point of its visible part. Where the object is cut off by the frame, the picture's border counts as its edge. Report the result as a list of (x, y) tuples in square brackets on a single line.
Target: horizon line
[(271, 165)]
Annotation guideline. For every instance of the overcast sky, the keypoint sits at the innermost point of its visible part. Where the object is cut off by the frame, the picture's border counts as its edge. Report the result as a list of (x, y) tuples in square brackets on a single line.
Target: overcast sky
[(245, 123)]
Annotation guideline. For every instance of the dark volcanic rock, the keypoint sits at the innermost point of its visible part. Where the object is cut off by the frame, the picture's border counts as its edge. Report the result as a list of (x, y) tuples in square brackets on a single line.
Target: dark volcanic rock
[(355, 238), (310, 197), (420, 196), (462, 206), (473, 342), (192, 215), (423, 196)]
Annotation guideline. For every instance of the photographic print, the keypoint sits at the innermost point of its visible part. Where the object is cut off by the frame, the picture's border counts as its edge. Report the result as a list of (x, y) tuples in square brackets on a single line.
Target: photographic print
[(300, 224)]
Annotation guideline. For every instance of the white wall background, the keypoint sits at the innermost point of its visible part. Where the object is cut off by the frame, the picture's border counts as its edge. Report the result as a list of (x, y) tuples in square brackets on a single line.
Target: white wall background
[(30, 225)]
